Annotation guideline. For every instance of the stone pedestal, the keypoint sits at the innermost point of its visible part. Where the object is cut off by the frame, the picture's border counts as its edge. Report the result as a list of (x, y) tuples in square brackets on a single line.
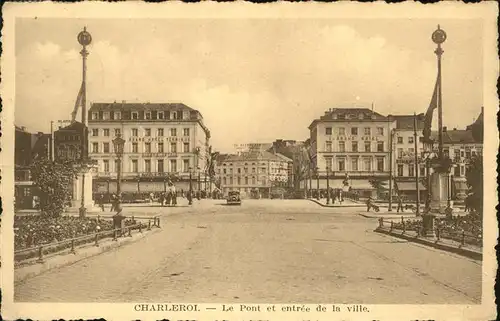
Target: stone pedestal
[(440, 191), (76, 198)]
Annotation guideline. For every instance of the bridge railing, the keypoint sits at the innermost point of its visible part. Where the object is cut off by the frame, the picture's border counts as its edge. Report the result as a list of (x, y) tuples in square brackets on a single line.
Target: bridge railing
[(40, 251)]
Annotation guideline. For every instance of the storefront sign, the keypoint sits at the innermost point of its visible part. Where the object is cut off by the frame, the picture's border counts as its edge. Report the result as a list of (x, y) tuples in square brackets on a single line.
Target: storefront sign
[(355, 137), (158, 139)]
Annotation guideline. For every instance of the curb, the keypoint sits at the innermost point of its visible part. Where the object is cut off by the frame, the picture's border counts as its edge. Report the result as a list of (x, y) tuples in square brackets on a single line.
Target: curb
[(388, 216), (335, 206), (435, 244), (87, 251)]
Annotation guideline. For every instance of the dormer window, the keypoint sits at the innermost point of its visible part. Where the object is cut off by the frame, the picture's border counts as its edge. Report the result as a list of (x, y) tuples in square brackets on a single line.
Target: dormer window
[(135, 115), (95, 116), (174, 115), (148, 115), (342, 116), (361, 116), (160, 115), (105, 115), (117, 115), (334, 116)]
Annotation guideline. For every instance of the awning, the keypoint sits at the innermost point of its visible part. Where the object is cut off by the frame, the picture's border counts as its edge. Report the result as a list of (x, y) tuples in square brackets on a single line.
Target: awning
[(360, 184), (409, 186), (334, 183)]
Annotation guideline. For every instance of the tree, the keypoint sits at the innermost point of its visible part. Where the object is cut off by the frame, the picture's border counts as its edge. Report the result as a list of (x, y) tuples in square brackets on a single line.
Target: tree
[(54, 181), (474, 176), (379, 185)]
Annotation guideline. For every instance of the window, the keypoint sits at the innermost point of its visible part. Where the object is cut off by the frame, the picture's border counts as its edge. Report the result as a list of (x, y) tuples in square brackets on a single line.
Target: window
[(173, 131), (457, 154), (135, 132), (246, 180), (160, 115), (173, 165), (230, 171), (173, 147), (411, 170), (148, 115), (254, 181), (245, 170), (186, 131), (400, 152), (135, 149), (105, 115), (446, 153), (186, 148), (160, 166), (420, 139), (135, 167), (239, 180), (341, 146), (422, 171), (224, 171), (253, 170), (380, 146), (105, 147), (95, 116), (147, 132), (328, 130), (410, 140), (457, 171), (341, 131), (225, 181), (341, 165), (117, 115), (160, 148), (147, 147), (185, 165), (411, 151), (147, 165), (95, 132), (354, 131), (160, 132), (380, 164), (239, 170), (368, 146), (328, 146), (354, 164), (400, 140), (368, 164), (105, 132), (135, 115), (329, 163), (462, 170), (354, 146), (95, 148), (400, 169), (105, 162), (174, 115), (368, 131), (118, 132), (380, 131)]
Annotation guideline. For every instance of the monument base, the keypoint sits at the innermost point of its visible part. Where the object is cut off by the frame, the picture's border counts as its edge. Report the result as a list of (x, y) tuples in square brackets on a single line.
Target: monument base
[(82, 180), (440, 190)]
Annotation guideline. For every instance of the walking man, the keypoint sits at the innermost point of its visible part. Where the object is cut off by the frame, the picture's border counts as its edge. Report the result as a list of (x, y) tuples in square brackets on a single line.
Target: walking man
[(400, 203)]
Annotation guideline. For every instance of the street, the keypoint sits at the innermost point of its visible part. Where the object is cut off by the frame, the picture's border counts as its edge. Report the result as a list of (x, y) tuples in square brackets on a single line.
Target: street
[(274, 251)]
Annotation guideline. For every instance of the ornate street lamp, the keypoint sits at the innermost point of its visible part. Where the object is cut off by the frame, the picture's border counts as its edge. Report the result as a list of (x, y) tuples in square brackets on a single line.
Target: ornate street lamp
[(199, 179), (317, 182), (190, 195), (118, 144), (327, 184)]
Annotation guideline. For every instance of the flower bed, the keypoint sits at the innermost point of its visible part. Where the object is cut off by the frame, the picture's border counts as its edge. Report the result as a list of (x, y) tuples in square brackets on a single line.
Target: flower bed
[(31, 231)]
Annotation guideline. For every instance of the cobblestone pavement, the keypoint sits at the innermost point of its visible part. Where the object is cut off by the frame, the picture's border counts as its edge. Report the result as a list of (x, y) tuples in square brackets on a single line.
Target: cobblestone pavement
[(275, 251)]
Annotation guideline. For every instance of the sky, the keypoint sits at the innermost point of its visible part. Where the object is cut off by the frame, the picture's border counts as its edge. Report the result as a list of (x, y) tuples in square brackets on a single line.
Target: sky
[(253, 80)]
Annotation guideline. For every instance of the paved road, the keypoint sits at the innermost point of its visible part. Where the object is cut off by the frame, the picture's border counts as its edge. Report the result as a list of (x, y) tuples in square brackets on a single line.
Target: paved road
[(275, 251)]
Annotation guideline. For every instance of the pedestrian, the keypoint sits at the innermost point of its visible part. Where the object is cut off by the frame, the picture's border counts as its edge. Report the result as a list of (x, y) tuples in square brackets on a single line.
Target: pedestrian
[(400, 204), (113, 197), (162, 198), (369, 204), (174, 196), (101, 202)]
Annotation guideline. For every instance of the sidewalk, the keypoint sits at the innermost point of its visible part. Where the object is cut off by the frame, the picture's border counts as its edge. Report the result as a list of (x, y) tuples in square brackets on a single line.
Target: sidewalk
[(467, 250), (345, 203)]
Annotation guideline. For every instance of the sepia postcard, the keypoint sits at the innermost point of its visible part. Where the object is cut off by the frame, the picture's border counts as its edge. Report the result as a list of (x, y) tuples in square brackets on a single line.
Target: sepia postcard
[(237, 161)]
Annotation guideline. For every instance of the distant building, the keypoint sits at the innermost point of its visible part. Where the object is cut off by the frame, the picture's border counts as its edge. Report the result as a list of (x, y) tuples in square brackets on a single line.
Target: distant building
[(254, 174), (353, 145), (164, 141)]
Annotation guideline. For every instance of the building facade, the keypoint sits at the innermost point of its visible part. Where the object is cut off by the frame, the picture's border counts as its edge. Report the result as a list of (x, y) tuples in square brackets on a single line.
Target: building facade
[(351, 144), (254, 174), (163, 142)]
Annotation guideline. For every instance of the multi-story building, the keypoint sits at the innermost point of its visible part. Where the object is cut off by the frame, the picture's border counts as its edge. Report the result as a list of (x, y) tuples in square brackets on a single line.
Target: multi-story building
[(403, 147), (163, 141), (254, 173), (350, 143)]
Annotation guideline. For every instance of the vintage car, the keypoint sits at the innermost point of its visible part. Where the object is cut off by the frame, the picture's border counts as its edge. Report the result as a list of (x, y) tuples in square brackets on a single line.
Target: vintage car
[(233, 198)]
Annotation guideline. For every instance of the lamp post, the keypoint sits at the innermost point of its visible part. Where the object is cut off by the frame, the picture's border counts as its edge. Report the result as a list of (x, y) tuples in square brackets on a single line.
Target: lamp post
[(118, 144), (199, 179), (317, 182), (391, 148), (84, 38), (327, 185), (439, 37), (190, 195)]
